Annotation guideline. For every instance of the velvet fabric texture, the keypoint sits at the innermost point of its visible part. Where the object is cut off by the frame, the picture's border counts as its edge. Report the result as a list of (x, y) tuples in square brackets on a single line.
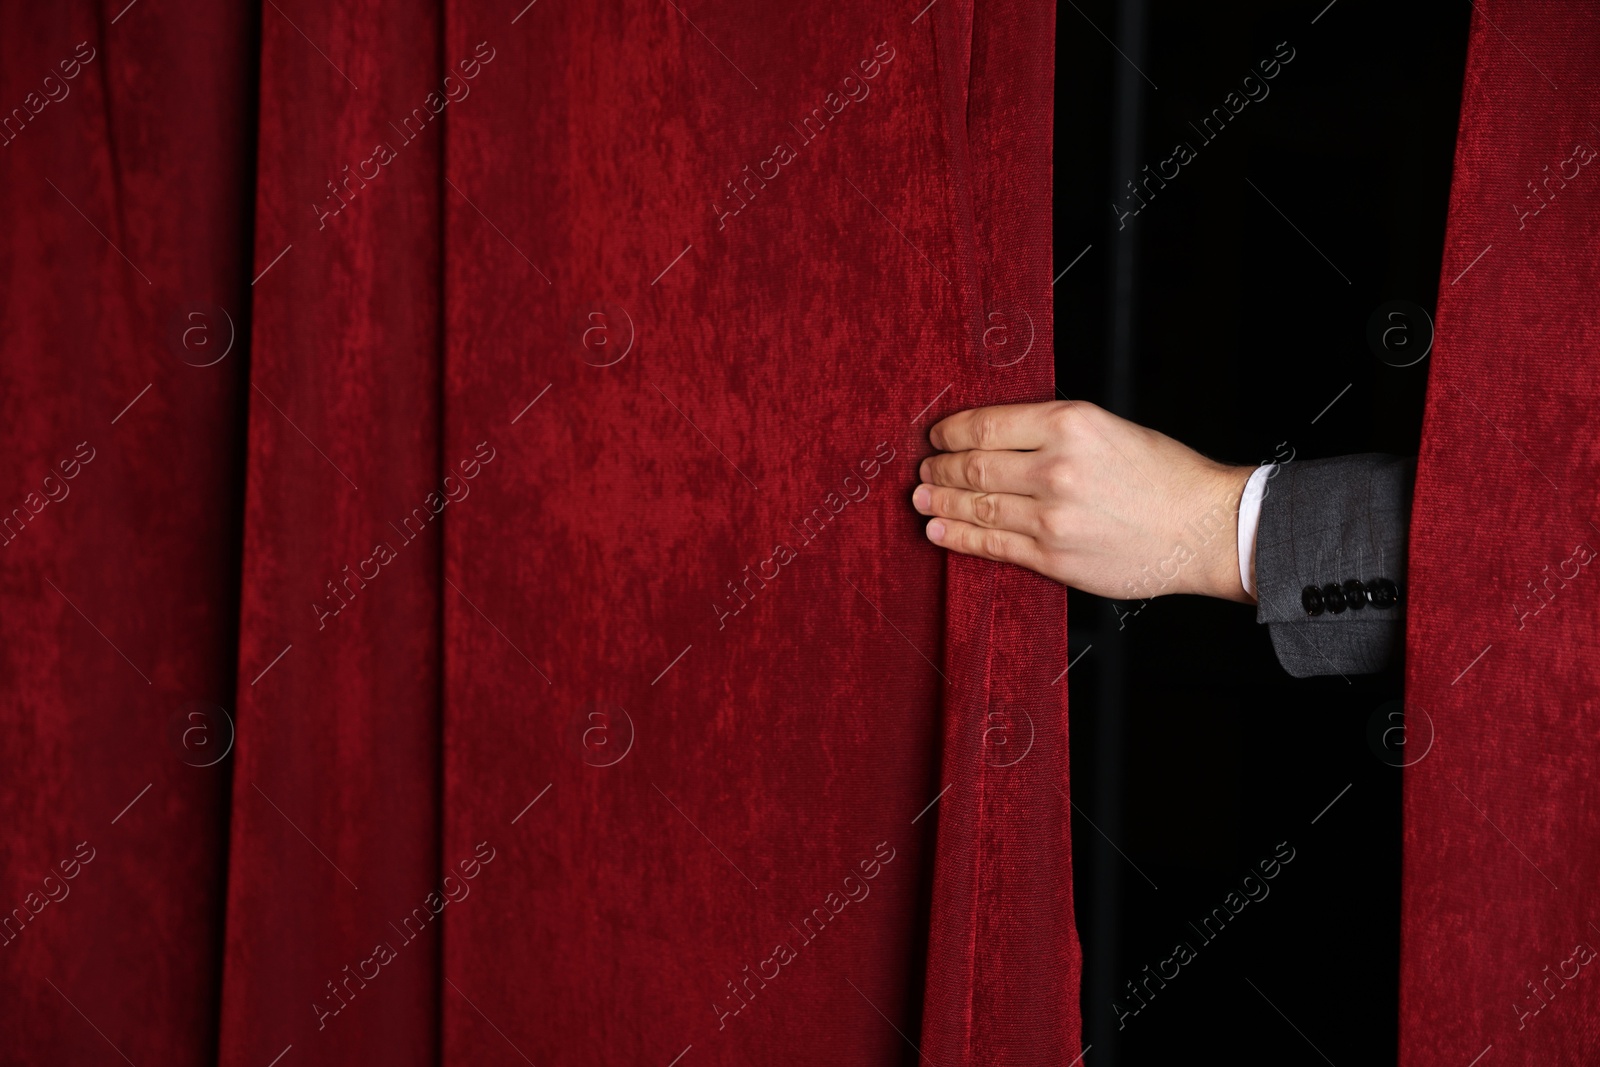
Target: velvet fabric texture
[(462, 602), (1502, 805)]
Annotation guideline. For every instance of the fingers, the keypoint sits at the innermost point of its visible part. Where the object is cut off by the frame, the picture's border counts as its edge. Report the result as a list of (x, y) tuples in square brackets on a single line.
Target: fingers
[(1003, 546), (1008, 426), (1002, 511), (983, 472)]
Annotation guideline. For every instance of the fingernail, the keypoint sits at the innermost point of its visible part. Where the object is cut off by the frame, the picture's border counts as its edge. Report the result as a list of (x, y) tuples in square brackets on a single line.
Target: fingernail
[(922, 499), (935, 531), (922, 470)]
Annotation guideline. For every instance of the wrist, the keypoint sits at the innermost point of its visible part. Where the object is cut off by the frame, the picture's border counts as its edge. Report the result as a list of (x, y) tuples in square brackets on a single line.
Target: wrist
[(1224, 579)]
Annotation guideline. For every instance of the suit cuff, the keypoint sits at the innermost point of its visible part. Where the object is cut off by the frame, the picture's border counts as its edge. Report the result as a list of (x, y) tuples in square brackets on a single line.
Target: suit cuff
[(1326, 521)]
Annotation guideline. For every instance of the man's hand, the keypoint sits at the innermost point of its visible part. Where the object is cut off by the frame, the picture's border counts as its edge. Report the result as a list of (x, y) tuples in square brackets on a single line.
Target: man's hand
[(1092, 500)]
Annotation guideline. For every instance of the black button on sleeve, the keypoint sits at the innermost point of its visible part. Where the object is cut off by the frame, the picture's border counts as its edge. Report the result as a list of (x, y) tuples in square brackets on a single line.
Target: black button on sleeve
[(1355, 595), (1333, 598), (1311, 600), (1383, 593)]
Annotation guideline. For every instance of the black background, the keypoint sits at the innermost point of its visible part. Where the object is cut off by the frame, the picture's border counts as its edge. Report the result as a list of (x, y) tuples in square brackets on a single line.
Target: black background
[(1210, 318)]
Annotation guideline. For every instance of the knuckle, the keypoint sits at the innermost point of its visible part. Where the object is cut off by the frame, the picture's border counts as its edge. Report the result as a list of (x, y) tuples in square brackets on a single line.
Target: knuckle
[(1076, 429), (994, 544), (1062, 418), (1055, 524), (976, 470), (986, 509), (1058, 477), (984, 429)]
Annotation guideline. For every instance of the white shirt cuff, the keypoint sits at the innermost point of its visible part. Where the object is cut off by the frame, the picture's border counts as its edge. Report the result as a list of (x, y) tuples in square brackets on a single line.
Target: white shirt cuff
[(1249, 518)]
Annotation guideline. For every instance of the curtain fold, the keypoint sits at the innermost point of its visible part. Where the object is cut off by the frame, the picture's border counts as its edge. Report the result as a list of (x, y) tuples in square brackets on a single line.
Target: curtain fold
[(1499, 927), (125, 157), (333, 943), (589, 689), (1004, 960)]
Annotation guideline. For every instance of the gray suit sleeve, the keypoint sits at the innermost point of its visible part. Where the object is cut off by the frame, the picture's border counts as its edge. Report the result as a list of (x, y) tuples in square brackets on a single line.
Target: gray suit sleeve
[(1328, 521)]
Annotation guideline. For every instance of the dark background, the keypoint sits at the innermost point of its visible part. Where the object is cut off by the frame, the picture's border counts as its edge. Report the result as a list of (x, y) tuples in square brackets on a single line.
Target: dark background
[(1210, 318)]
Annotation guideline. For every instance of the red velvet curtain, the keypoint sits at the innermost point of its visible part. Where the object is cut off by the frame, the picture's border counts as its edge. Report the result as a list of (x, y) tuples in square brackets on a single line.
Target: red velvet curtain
[(126, 148), (461, 603), (1500, 925)]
